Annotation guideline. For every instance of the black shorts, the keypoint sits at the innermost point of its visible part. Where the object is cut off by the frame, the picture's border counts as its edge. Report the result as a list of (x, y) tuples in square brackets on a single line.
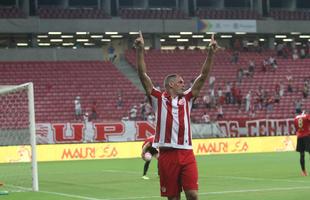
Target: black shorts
[(152, 151), (303, 144)]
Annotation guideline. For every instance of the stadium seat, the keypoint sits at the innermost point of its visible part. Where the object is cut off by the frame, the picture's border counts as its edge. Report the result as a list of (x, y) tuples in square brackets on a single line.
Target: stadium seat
[(55, 88), (161, 63)]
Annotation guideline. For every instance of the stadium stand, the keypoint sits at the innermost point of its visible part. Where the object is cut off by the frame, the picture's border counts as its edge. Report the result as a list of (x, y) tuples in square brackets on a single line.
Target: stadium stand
[(207, 13), (188, 64), (57, 84), (161, 13), (280, 14), (8, 111), (71, 13), (11, 12)]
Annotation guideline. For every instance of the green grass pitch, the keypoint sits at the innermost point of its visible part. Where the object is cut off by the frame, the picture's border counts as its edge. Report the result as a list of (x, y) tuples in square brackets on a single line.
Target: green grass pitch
[(261, 176)]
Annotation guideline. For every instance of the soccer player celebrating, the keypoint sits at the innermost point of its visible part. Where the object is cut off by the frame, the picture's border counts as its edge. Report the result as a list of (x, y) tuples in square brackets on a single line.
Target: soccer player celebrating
[(302, 126), (147, 148), (177, 164)]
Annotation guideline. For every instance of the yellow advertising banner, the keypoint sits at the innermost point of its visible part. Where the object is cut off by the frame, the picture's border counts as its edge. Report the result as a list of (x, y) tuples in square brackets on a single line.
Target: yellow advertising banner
[(244, 145), (61, 152)]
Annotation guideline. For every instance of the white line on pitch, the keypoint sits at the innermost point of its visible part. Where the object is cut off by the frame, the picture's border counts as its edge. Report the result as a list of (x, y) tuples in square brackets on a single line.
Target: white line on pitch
[(256, 179), (70, 195), (256, 190), (120, 171), (16, 188), (226, 177), (200, 194)]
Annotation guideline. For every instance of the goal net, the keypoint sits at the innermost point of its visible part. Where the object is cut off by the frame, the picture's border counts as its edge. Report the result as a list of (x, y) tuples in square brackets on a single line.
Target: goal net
[(18, 164)]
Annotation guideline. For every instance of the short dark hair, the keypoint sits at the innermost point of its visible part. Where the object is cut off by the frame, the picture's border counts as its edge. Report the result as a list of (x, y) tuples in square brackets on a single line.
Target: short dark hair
[(168, 79)]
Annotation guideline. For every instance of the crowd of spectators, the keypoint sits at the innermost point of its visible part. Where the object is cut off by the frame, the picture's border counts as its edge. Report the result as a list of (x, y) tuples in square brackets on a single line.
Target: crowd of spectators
[(229, 93)]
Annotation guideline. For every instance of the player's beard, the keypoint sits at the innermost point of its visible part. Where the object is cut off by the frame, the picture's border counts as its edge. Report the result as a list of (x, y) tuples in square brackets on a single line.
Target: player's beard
[(180, 92)]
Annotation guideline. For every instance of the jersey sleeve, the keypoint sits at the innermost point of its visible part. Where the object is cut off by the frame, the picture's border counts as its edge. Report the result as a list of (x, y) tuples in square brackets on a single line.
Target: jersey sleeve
[(188, 94), (155, 93), (155, 99)]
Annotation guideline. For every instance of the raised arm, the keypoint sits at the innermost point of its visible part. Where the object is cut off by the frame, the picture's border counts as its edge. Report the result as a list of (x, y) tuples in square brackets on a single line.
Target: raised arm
[(205, 69), (144, 78)]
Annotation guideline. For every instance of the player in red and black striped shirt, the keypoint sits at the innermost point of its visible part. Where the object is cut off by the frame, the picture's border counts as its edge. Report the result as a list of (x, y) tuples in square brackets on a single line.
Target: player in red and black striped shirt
[(302, 126)]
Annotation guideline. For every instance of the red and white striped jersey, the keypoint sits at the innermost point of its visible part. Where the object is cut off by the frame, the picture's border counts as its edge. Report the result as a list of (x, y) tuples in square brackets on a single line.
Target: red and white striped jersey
[(173, 119)]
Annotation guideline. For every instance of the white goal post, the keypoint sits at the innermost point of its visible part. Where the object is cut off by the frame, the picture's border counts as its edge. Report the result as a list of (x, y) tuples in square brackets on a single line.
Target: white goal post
[(9, 92)]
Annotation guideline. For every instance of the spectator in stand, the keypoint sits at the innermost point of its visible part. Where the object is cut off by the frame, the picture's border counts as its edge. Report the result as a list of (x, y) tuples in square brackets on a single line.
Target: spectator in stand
[(133, 113), (233, 93), (303, 51), (119, 103), (286, 51), (220, 113), (86, 117), (239, 98), (211, 81), (120, 93), (144, 114), (93, 115), (252, 110), (307, 49), (279, 49), (248, 101), (148, 107), (295, 54), (251, 68), (212, 96), (111, 52), (277, 97), (205, 118), (207, 100), (277, 88), (266, 96), (282, 89), (157, 86), (240, 75), (269, 104), (261, 97), (234, 57), (298, 106), (245, 45), (78, 107), (228, 93), (257, 47), (289, 79), (273, 63), (305, 91), (265, 65), (220, 96), (151, 118), (237, 45)]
